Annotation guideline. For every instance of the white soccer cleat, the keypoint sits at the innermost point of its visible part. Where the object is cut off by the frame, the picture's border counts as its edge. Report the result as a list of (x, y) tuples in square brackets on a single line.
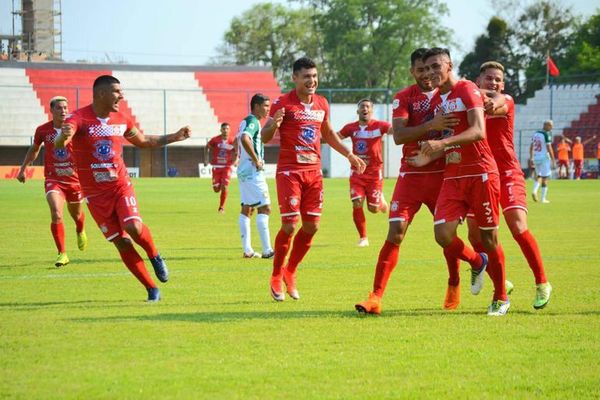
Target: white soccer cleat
[(477, 275), (545, 201), (498, 308), (363, 242)]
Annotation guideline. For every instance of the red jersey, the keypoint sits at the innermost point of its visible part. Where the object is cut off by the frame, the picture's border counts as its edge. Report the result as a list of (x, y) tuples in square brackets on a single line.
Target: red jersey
[(98, 150), (366, 143), (417, 107), (221, 151), (58, 163), (468, 159), (500, 131), (300, 131)]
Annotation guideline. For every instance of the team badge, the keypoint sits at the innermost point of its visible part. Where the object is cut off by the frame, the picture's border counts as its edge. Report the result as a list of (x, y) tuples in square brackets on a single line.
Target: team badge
[(308, 134), (394, 206), (61, 154), (361, 147), (104, 150), (396, 103), (103, 228), (293, 201)]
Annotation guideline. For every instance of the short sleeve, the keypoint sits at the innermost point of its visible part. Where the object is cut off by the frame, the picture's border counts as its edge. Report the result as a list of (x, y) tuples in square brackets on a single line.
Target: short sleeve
[(548, 137), (346, 131), (73, 120), (471, 96), (385, 127), (276, 105), (400, 106), (38, 139)]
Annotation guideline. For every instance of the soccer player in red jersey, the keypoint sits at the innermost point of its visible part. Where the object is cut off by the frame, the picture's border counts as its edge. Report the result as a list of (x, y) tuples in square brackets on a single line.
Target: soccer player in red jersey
[(366, 135), (62, 182), (223, 155), (96, 133), (301, 117), (471, 180), (413, 121), (499, 124)]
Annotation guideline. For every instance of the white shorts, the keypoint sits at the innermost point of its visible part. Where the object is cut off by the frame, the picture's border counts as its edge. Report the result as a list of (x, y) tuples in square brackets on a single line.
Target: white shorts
[(542, 168), (254, 191)]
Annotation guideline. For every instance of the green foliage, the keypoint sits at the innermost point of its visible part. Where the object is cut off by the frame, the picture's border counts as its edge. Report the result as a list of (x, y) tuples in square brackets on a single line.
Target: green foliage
[(84, 331), (583, 57)]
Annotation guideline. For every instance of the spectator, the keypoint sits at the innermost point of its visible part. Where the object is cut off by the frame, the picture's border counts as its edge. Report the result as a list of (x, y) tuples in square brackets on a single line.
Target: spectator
[(578, 155)]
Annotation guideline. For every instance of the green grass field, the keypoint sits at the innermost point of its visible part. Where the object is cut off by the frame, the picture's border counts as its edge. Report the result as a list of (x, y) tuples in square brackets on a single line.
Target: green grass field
[(85, 332)]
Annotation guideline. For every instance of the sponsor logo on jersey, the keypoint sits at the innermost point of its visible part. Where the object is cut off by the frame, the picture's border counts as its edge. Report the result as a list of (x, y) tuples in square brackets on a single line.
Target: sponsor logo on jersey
[(104, 150), (361, 146), (61, 154), (308, 134), (396, 103)]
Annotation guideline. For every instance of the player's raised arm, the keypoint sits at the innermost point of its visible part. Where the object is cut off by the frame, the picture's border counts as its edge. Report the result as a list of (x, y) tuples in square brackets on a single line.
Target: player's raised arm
[(31, 155), (65, 136), (405, 134), (474, 133), (334, 141), (273, 123), (138, 139)]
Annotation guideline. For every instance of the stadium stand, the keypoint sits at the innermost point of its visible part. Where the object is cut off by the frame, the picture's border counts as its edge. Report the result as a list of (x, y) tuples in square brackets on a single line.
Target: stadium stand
[(569, 104), (201, 97)]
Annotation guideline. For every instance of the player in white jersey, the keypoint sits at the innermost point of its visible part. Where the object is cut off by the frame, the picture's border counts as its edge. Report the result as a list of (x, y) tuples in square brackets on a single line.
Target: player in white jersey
[(542, 155), (254, 191)]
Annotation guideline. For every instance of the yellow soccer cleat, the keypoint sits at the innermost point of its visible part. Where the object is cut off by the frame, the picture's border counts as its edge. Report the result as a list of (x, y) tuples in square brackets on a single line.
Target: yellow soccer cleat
[(82, 241), (61, 260)]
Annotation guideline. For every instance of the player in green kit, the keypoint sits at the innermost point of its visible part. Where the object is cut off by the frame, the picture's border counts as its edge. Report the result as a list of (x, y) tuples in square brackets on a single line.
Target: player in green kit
[(254, 191)]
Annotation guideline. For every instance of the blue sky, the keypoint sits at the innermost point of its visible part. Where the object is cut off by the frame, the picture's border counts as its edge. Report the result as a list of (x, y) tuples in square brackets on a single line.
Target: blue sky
[(187, 32)]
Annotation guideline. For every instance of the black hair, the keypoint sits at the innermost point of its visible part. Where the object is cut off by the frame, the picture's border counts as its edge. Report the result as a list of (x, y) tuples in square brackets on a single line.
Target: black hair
[(224, 124), (436, 51), (417, 55), (303, 62), (258, 99), (105, 80), (368, 100)]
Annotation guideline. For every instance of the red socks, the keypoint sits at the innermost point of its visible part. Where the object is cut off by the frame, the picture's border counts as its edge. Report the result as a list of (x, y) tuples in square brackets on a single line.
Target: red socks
[(530, 250), (388, 258), (360, 221), (223, 198), (146, 242), (453, 265), (281, 247), (302, 242), (497, 272), (79, 223), (458, 249), (58, 233), (135, 264)]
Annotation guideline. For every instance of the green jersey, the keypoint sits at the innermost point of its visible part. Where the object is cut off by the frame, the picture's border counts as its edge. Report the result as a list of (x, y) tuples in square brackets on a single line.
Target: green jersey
[(250, 126)]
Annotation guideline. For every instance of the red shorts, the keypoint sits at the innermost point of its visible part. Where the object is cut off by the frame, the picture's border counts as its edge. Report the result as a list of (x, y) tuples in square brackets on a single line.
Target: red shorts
[(221, 176), (562, 163), (477, 193), (112, 209), (513, 193), (71, 192), (300, 193), (366, 186), (411, 191)]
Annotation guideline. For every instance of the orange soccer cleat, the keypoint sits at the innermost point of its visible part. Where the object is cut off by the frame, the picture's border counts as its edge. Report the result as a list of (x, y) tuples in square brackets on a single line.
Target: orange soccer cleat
[(290, 283), (371, 306), (277, 289), (452, 297)]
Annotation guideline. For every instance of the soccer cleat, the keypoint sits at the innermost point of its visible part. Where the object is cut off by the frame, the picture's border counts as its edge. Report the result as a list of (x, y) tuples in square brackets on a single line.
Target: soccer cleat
[(542, 295), (277, 289), (363, 242), (370, 306), (160, 268), (61, 260), (452, 299), (268, 254), (498, 308), (477, 275), (545, 201), (153, 295), (251, 255), (534, 196), (290, 283), (221, 210), (82, 241), (509, 286)]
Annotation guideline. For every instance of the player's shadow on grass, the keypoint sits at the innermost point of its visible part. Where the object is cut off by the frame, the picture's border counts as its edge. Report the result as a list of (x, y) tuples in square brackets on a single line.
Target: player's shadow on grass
[(24, 306)]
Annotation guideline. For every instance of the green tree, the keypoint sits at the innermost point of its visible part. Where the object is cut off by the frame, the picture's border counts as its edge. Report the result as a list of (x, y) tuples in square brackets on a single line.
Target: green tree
[(583, 57), (367, 43), (270, 35)]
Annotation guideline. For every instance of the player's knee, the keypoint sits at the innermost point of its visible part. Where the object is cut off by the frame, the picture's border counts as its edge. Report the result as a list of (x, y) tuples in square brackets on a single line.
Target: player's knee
[(216, 188), (288, 228), (517, 227), (122, 244), (264, 210), (442, 236), (489, 240), (56, 216), (310, 227), (133, 228), (357, 203), (396, 233), (373, 209)]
